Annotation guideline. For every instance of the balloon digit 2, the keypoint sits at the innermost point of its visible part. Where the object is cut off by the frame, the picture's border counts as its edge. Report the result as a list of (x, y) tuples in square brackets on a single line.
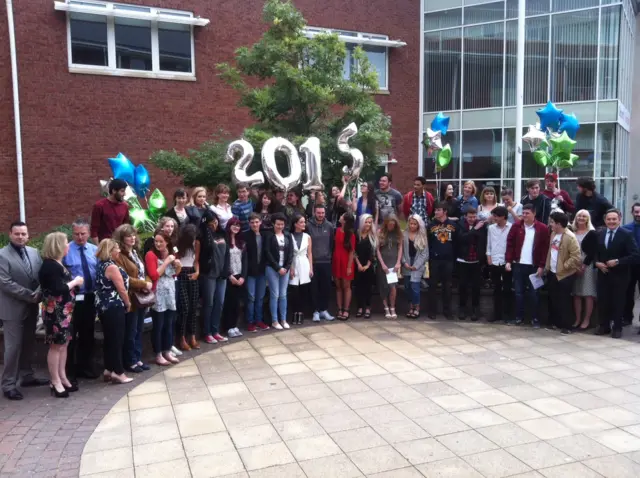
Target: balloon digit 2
[(239, 174)]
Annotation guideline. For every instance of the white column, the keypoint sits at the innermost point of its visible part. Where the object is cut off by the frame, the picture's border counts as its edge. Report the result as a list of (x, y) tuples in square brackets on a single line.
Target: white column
[(517, 187), (421, 95)]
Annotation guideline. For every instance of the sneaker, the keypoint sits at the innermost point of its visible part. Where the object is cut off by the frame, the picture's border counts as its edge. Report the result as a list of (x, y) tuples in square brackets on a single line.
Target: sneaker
[(237, 331), (565, 331), (316, 317), (251, 328), (175, 351), (285, 325), (231, 333), (276, 325), (262, 326), (210, 340), (220, 338), (326, 316)]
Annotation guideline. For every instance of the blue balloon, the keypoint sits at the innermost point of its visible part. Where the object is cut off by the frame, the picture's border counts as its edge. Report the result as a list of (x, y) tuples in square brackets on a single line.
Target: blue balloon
[(570, 124), (440, 123), (549, 116), (142, 181), (122, 168)]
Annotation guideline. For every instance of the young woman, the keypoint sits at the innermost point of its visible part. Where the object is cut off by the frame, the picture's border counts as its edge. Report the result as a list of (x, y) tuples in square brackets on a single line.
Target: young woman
[(513, 208), (584, 289), (197, 206), (214, 270), (166, 225), (293, 207), (366, 203), (337, 206), (128, 260), (179, 210), (365, 259), (414, 259), (187, 284), (162, 268), (467, 198), (342, 264), (449, 198), (58, 300), (488, 202), (389, 254), (235, 293), (256, 280), (301, 269), (112, 303), (221, 205), (265, 208), (279, 254)]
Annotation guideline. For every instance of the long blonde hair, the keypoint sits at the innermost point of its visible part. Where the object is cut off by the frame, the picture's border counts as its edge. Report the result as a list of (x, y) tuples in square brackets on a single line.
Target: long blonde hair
[(372, 232), (383, 234), (194, 193), (420, 240), (574, 224)]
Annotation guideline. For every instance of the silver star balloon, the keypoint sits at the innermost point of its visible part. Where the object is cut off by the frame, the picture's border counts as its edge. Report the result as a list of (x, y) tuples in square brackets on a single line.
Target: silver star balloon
[(534, 137), (435, 139)]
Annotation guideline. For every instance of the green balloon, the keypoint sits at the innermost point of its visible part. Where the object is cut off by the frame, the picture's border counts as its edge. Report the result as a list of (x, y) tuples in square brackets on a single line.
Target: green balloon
[(542, 158), (443, 157), (564, 161), (562, 144), (140, 220), (157, 204)]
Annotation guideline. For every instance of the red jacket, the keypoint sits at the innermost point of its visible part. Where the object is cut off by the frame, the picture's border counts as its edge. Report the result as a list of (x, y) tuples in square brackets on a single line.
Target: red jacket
[(407, 202), (566, 205), (515, 239)]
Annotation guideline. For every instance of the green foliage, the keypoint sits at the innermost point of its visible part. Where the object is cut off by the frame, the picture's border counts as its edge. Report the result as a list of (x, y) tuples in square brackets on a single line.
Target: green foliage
[(302, 93)]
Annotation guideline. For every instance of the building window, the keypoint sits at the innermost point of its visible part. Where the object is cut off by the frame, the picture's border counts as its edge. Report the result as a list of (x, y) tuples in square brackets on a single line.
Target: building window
[(130, 40)]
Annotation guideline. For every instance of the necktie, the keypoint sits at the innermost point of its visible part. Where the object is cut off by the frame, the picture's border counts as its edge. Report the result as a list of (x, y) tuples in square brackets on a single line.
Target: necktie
[(25, 258), (610, 239), (86, 272)]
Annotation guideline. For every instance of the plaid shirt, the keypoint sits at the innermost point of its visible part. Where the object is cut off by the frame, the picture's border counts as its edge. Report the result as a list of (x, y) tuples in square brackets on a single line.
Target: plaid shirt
[(472, 255), (419, 206)]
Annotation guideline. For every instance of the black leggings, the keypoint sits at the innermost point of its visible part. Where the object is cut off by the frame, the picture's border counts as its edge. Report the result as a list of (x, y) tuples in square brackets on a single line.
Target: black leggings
[(188, 297), (364, 283), (299, 297), (113, 325), (234, 295)]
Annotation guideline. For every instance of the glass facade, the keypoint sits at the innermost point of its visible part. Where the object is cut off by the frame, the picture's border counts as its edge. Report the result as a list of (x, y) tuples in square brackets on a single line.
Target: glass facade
[(578, 54)]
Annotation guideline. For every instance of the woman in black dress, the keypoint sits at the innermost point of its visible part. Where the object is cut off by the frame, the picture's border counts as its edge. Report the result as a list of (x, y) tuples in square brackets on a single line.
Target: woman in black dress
[(365, 260), (58, 300)]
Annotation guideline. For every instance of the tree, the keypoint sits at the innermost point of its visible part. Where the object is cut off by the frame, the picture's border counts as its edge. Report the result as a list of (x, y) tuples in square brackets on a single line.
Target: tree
[(302, 93)]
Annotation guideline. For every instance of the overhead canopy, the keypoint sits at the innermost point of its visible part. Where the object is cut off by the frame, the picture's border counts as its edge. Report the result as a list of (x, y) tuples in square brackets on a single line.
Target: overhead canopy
[(361, 40)]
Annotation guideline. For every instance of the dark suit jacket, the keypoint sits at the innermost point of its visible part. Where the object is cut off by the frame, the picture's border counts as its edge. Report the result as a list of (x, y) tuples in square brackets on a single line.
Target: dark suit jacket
[(623, 248), (255, 268)]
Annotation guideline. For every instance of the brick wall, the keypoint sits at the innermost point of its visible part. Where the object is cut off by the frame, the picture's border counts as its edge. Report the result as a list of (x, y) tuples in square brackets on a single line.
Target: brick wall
[(72, 123)]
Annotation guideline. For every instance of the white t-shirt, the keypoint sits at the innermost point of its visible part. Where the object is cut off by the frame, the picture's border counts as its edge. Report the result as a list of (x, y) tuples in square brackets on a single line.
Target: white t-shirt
[(280, 239), (526, 255), (555, 248)]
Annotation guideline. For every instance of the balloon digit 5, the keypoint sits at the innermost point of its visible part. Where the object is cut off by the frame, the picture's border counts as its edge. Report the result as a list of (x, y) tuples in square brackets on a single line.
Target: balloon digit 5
[(356, 155)]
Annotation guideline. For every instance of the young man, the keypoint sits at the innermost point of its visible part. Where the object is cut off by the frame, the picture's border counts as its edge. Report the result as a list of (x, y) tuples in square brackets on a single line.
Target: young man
[(389, 200), (256, 280), (242, 207), (634, 277), (496, 259), (442, 233), (322, 237), (540, 202), (527, 246), (419, 201), (471, 253), (617, 250), (589, 199), (110, 212), (552, 192)]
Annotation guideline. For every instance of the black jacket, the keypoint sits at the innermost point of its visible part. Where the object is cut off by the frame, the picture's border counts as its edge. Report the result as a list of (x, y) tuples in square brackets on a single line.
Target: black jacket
[(590, 247), (272, 253), (214, 254), (623, 248), (255, 268), (194, 213), (597, 205), (543, 207), (467, 237)]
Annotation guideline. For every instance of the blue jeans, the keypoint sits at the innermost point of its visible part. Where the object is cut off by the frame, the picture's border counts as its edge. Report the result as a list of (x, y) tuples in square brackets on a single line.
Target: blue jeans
[(413, 290), (277, 294), (163, 323), (134, 323), (521, 283), (256, 288), (213, 290)]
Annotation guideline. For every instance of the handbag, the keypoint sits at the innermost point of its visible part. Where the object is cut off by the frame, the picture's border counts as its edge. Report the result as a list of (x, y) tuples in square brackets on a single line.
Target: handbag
[(145, 300)]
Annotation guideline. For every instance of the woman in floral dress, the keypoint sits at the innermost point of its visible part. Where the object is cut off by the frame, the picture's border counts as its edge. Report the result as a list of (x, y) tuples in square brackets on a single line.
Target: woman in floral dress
[(58, 300)]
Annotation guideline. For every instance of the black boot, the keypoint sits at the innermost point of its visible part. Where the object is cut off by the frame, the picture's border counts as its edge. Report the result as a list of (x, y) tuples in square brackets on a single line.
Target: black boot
[(300, 318)]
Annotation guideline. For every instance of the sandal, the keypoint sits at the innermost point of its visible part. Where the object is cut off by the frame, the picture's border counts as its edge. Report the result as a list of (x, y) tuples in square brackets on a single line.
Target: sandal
[(359, 313), (387, 313), (416, 313), (393, 313), (367, 314), (409, 314)]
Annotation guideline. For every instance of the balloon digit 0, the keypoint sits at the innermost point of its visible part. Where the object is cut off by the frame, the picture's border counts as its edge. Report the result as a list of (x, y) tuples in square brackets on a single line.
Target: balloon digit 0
[(271, 146)]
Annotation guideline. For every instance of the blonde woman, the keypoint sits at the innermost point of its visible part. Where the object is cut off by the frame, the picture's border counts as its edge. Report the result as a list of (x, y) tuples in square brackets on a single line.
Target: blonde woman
[(197, 205), (584, 289), (467, 199), (58, 300), (389, 254), (221, 205), (414, 259), (488, 202), (365, 260)]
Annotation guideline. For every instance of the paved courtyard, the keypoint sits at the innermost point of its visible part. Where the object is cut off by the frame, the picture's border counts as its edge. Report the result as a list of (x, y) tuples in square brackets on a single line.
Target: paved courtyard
[(383, 399)]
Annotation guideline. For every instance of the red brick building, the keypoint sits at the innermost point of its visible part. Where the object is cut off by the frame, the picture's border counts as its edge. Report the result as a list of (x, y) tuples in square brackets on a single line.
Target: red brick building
[(74, 116)]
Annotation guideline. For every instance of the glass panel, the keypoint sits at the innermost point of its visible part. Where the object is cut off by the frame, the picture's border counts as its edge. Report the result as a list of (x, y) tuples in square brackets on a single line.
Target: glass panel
[(564, 5), (605, 158), (132, 8), (584, 149), (530, 168), (443, 19), (606, 188), (536, 61), (349, 61), (574, 56), (482, 153), (88, 39), (487, 12), (483, 60), (609, 52), (174, 41), (533, 7), (442, 55), (133, 44), (377, 56), (453, 170)]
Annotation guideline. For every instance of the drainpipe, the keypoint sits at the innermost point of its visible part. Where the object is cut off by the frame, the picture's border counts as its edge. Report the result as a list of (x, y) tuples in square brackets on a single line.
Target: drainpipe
[(16, 108)]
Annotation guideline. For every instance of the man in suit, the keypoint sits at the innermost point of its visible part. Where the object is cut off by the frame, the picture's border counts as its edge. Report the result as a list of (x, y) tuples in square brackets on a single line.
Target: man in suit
[(19, 298), (617, 251)]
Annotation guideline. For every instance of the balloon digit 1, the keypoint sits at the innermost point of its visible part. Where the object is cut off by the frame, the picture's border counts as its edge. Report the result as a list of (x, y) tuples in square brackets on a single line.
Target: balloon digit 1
[(246, 151), (356, 155), (311, 151), (271, 146)]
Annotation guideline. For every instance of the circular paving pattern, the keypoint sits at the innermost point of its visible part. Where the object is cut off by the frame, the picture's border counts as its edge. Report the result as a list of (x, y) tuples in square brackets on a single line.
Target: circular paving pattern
[(383, 399)]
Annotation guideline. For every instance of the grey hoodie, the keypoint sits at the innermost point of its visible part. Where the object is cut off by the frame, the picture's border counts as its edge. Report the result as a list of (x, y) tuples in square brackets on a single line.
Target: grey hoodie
[(322, 237)]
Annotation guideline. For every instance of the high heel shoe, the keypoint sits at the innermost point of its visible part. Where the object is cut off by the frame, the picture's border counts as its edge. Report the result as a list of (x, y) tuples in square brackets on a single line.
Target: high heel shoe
[(184, 345), (193, 343), (72, 388), (106, 376), (55, 393), (115, 379)]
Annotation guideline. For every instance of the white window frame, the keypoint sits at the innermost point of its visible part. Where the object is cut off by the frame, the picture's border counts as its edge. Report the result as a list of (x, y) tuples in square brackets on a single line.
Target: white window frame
[(362, 39), (154, 16)]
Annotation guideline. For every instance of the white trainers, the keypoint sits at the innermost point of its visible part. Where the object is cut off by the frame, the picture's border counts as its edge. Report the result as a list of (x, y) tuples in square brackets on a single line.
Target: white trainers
[(276, 325), (316, 317), (327, 316), (231, 333), (175, 351), (285, 325), (237, 331)]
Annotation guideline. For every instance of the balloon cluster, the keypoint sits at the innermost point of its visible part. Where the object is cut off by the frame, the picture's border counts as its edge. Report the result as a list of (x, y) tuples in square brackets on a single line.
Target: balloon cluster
[(552, 139), (138, 184), (433, 142), (241, 152)]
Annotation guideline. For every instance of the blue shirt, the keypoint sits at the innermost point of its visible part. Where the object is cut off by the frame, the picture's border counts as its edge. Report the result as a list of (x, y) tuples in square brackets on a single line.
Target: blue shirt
[(464, 204), (242, 210), (73, 262), (633, 228)]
